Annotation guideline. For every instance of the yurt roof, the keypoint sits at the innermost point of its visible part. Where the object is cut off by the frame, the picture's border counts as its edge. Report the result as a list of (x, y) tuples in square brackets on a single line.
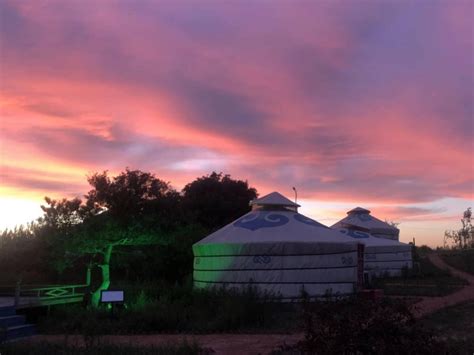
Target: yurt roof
[(275, 226), (274, 199), (361, 218), (369, 240)]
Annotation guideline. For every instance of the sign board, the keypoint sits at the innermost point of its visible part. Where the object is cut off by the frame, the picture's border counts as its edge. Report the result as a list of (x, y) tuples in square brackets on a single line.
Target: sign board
[(111, 296)]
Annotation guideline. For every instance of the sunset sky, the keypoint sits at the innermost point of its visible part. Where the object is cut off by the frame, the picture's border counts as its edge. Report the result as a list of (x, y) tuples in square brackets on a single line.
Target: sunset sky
[(356, 103)]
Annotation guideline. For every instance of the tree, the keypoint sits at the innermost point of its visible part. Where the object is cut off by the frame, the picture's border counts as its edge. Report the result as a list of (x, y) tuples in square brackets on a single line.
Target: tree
[(131, 209), (463, 237), (100, 235), (58, 225), (216, 199), (134, 208), (134, 194), (24, 256)]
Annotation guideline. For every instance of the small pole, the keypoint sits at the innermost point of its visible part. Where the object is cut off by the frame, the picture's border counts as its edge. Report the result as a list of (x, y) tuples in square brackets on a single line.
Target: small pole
[(296, 194)]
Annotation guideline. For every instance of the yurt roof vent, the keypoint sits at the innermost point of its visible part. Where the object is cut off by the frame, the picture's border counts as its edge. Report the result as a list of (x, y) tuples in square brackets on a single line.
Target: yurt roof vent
[(274, 201), (358, 210)]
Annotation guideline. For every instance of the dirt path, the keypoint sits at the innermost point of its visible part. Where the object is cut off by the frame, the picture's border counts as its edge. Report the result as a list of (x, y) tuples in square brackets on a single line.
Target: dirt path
[(431, 304), (251, 344)]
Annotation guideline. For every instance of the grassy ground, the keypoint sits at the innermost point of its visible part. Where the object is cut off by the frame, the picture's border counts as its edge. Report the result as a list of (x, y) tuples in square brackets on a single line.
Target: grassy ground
[(455, 324), (176, 310), (425, 280), (460, 259)]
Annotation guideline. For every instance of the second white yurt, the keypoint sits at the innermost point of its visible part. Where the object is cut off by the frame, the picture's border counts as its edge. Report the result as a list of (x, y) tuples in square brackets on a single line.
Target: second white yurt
[(280, 251), (382, 257), (361, 219)]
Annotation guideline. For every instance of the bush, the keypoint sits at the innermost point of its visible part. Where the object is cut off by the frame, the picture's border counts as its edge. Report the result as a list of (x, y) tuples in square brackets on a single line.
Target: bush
[(358, 326), (426, 280), (460, 259)]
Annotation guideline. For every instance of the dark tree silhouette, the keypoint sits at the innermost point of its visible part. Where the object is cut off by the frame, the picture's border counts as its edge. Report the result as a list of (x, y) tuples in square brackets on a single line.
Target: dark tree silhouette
[(58, 226), (217, 199), (132, 195), (463, 237)]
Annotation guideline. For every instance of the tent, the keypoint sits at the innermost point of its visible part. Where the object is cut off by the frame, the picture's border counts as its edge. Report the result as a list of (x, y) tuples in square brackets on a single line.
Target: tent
[(280, 251), (361, 219), (382, 257)]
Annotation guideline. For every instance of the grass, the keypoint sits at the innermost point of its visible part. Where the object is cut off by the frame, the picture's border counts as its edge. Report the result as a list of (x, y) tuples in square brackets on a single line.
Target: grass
[(460, 259), (427, 280), (31, 348), (177, 309), (455, 325)]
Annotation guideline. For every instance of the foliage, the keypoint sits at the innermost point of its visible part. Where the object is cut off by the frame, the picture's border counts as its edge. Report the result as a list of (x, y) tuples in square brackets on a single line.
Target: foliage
[(454, 325), (215, 200), (420, 251), (171, 262), (133, 196), (460, 259), (24, 254), (63, 214), (426, 280), (359, 326), (33, 348), (464, 237)]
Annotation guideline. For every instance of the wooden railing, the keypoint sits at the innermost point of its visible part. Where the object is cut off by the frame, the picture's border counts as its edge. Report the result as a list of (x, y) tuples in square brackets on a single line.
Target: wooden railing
[(31, 295), (45, 293)]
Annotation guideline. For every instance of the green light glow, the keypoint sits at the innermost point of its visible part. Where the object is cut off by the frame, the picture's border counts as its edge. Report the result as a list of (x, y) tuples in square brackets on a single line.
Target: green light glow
[(209, 257)]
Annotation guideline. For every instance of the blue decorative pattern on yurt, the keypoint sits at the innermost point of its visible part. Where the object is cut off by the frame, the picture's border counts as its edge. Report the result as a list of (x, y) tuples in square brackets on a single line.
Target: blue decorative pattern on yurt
[(309, 221), (354, 234), (262, 219)]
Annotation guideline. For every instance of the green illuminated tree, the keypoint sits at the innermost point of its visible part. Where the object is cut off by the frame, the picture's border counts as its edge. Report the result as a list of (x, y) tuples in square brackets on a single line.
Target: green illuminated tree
[(100, 235), (133, 208)]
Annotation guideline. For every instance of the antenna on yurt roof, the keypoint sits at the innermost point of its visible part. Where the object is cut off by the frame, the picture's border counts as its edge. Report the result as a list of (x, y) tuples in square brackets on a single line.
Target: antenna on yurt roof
[(296, 195)]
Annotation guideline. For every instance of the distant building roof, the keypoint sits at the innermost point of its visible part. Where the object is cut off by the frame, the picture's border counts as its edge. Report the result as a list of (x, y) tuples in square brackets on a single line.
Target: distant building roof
[(361, 219)]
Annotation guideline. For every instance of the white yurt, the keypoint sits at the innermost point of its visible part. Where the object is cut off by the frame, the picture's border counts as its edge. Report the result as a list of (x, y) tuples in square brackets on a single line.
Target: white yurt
[(280, 251), (361, 219), (382, 257)]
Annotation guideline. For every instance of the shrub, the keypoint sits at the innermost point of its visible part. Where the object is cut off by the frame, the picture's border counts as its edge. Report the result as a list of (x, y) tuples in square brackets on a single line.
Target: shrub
[(358, 326), (460, 259)]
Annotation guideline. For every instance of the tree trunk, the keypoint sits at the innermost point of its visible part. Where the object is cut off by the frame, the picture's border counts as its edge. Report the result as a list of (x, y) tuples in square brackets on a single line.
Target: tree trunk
[(105, 267)]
